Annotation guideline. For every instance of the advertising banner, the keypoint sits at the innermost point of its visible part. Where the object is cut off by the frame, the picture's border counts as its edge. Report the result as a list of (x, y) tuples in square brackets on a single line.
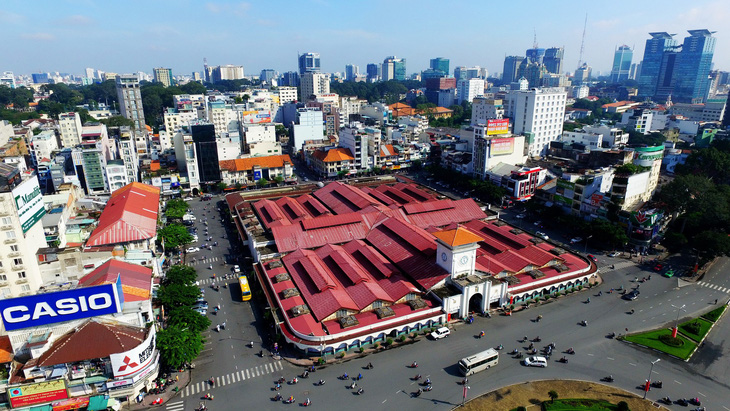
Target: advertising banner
[(256, 175), (256, 117), (497, 126), (133, 361), (596, 199), (645, 156), (29, 201), (48, 308), (502, 146), (38, 393)]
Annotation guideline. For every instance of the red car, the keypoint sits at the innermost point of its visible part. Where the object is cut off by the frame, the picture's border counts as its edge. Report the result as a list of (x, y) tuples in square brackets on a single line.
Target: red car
[(658, 267), (593, 258)]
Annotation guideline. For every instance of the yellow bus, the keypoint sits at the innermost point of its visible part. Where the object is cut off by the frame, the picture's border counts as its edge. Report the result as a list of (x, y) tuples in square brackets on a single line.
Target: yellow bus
[(245, 289)]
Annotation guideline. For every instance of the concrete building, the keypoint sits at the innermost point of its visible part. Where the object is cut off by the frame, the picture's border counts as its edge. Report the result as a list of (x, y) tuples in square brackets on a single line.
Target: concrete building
[(595, 137), (69, 126), (582, 74), (712, 110), (330, 162), (204, 138), (128, 154), (116, 175), (354, 138), (483, 109), (287, 94), (351, 72), (467, 90), (175, 119), (226, 72), (309, 63), (314, 84), (309, 126), (130, 99), (539, 112), (187, 158), (510, 69), (42, 146), (162, 75), (248, 171), (490, 150), (621, 63), (394, 69)]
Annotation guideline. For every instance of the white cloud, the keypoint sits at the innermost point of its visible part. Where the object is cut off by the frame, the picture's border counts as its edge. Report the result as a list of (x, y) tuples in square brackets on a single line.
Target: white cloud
[(77, 20), (10, 17)]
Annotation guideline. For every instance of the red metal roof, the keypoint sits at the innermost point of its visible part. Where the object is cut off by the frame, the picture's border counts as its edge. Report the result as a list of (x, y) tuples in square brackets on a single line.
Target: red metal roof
[(344, 198), (90, 340), (459, 211), (136, 279), (307, 234), (129, 215)]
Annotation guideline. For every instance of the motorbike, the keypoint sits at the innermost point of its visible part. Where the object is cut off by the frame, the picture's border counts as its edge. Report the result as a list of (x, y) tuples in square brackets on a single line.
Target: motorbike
[(320, 383), (537, 339), (570, 351), (656, 384), (414, 365), (281, 380), (427, 382), (293, 381), (612, 335), (344, 376), (513, 352), (360, 391), (563, 360), (305, 374), (584, 323), (428, 388), (277, 397), (499, 347), (418, 393), (607, 379), (417, 377), (683, 402), (307, 403), (289, 400), (519, 355), (353, 385), (667, 400), (369, 366), (694, 401), (533, 351)]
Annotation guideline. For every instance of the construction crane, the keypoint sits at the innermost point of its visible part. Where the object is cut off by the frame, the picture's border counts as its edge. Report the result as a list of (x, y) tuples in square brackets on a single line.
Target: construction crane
[(582, 42)]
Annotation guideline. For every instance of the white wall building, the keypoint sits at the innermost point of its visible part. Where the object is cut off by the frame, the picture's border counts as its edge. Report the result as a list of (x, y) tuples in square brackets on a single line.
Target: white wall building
[(540, 111), (116, 175), (175, 119), (129, 96), (467, 90), (350, 105), (69, 125), (483, 109), (42, 145), (314, 84), (287, 94), (186, 157), (310, 126)]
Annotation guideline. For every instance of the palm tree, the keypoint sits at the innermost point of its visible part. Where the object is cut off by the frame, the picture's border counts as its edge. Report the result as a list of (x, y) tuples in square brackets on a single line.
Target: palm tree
[(553, 395)]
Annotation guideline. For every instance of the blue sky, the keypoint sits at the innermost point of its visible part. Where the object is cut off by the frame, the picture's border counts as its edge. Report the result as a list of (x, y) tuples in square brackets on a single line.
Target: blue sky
[(131, 35)]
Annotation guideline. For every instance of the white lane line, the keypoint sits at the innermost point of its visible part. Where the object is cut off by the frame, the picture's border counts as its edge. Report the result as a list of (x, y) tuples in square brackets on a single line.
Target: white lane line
[(591, 355), (384, 401), (728, 409), (279, 366), (609, 358), (247, 374), (632, 364), (701, 394), (678, 382)]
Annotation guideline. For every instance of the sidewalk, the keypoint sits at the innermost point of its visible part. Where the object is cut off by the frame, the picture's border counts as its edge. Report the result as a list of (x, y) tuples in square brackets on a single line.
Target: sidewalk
[(169, 394)]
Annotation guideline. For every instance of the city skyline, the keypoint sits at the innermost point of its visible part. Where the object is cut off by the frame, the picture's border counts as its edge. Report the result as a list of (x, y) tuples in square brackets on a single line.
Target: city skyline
[(270, 37)]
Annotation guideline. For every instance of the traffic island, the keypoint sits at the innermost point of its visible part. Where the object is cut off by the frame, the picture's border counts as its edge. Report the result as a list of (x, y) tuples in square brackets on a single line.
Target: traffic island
[(571, 395)]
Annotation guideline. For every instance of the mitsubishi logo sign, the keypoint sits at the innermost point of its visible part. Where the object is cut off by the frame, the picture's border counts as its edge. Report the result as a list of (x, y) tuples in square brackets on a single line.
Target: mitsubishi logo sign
[(127, 363)]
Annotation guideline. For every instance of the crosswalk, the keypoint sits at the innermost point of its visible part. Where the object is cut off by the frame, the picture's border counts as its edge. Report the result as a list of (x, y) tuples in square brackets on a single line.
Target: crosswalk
[(620, 265), (714, 287), (209, 260), (175, 406), (232, 378)]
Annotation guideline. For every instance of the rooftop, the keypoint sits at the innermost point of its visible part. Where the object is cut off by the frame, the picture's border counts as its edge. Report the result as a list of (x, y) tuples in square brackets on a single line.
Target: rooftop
[(129, 215), (244, 164), (136, 279)]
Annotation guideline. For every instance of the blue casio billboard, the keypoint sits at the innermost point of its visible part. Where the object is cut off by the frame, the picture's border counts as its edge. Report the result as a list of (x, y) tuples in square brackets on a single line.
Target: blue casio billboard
[(60, 306)]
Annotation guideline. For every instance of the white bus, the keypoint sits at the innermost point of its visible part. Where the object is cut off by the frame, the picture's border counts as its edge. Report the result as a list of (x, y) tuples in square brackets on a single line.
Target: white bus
[(479, 362)]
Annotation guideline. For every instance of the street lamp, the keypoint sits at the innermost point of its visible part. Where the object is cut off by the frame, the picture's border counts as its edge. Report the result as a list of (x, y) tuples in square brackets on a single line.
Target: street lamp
[(648, 380), (676, 322)]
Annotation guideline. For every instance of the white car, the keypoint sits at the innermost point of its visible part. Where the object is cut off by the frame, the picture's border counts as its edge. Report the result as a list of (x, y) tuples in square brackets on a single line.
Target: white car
[(192, 250), (614, 254), (236, 269), (535, 362), (520, 216), (576, 240), (542, 235), (442, 332)]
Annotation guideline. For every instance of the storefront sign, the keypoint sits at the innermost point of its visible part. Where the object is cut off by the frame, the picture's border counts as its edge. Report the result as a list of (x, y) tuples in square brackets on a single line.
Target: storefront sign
[(501, 146), (133, 361), (29, 201), (38, 393), (60, 306)]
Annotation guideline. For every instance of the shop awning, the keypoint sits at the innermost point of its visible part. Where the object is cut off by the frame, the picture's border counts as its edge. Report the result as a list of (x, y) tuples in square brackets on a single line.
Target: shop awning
[(100, 403)]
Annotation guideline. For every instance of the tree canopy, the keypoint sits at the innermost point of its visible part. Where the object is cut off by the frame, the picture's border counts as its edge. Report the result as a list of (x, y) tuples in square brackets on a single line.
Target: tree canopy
[(178, 295), (186, 317), (179, 344), (388, 91), (180, 274), (176, 208), (175, 235)]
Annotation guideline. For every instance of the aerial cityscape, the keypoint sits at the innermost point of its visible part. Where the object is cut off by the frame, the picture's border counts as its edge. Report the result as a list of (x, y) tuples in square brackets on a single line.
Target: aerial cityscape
[(233, 205)]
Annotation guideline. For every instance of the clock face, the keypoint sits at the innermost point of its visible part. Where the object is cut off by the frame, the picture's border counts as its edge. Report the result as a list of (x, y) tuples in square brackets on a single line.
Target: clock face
[(464, 260), (443, 256)]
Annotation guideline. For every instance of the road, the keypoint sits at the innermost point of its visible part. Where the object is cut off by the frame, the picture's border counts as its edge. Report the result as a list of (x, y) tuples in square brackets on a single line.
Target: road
[(243, 378)]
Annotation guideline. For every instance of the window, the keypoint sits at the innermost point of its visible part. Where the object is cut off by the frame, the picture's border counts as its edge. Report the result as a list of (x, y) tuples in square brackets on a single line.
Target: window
[(7, 221), (17, 261), (14, 248), (25, 288), (10, 235), (21, 274), (3, 277)]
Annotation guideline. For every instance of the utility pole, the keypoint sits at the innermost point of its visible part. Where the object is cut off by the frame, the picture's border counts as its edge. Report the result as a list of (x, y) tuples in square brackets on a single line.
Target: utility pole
[(582, 42)]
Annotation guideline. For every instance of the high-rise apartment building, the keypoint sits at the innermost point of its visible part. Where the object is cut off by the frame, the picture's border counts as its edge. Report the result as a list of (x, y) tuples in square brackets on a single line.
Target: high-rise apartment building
[(394, 69), (691, 74), (314, 84), (621, 64), (467, 90), (309, 63), (468, 73), (651, 65), (511, 66), (267, 75), (290, 78), (69, 125), (351, 72), (553, 60), (538, 113), (130, 99), (440, 64), (484, 109), (162, 75), (582, 74), (226, 72), (207, 152)]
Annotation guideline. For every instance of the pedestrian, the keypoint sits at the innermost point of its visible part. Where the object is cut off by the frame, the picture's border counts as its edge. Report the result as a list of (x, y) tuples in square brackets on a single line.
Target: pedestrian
[(715, 300), (177, 378)]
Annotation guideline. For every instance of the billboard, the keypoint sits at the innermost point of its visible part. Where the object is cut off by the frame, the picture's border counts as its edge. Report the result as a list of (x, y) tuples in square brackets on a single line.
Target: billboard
[(497, 126), (645, 156), (502, 146), (38, 393), (48, 308), (29, 201), (135, 360), (256, 117), (256, 175)]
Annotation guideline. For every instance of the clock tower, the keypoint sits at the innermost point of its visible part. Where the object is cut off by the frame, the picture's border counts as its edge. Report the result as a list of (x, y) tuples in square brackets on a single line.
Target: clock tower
[(456, 250)]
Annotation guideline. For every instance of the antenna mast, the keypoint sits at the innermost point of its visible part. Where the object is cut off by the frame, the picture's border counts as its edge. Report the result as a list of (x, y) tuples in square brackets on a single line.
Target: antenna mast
[(534, 39), (582, 42)]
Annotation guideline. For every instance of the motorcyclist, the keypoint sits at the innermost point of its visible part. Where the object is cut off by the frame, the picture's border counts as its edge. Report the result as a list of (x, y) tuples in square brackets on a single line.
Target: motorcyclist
[(414, 364), (321, 382), (370, 365), (360, 391), (344, 376), (307, 402), (359, 376), (428, 381), (291, 398)]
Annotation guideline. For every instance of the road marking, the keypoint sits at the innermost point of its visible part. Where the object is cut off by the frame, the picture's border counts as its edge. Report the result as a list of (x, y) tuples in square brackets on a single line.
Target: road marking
[(701, 394), (591, 355), (632, 364), (279, 366), (269, 368), (247, 374), (678, 382), (384, 401), (609, 358), (728, 409), (176, 406)]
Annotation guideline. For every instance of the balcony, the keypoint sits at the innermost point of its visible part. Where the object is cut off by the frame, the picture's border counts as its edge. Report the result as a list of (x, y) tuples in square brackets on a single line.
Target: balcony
[(6, 227), (11, 241), (14, 254), (18, 267), (21, 281)]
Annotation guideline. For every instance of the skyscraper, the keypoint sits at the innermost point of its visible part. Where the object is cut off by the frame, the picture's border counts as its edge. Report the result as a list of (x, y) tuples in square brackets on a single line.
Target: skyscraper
[(309, 63), (535, 55), (130, 99), (372, 72), (621, 64), (162, 75), (651, 65), (582, 74), (394, 68), (267, 75), (314, 84), (553, 60), (509, 72), (440, 64), (691, 74), (351, 72)]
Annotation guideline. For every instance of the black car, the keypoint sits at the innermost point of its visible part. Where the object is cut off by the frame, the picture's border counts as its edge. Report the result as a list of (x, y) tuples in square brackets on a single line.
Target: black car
[(632, 295)]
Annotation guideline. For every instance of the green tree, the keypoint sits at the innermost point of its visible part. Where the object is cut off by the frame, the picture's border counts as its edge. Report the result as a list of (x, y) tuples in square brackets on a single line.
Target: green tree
[(175, 209), (20, 97), (279, 180), (186, 317), (178, 295), (180, 274), (175, 236), (193, 87), (221, 186), (262, 182), (117, 121), (553, 395), (238, 186), (178, 345)]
